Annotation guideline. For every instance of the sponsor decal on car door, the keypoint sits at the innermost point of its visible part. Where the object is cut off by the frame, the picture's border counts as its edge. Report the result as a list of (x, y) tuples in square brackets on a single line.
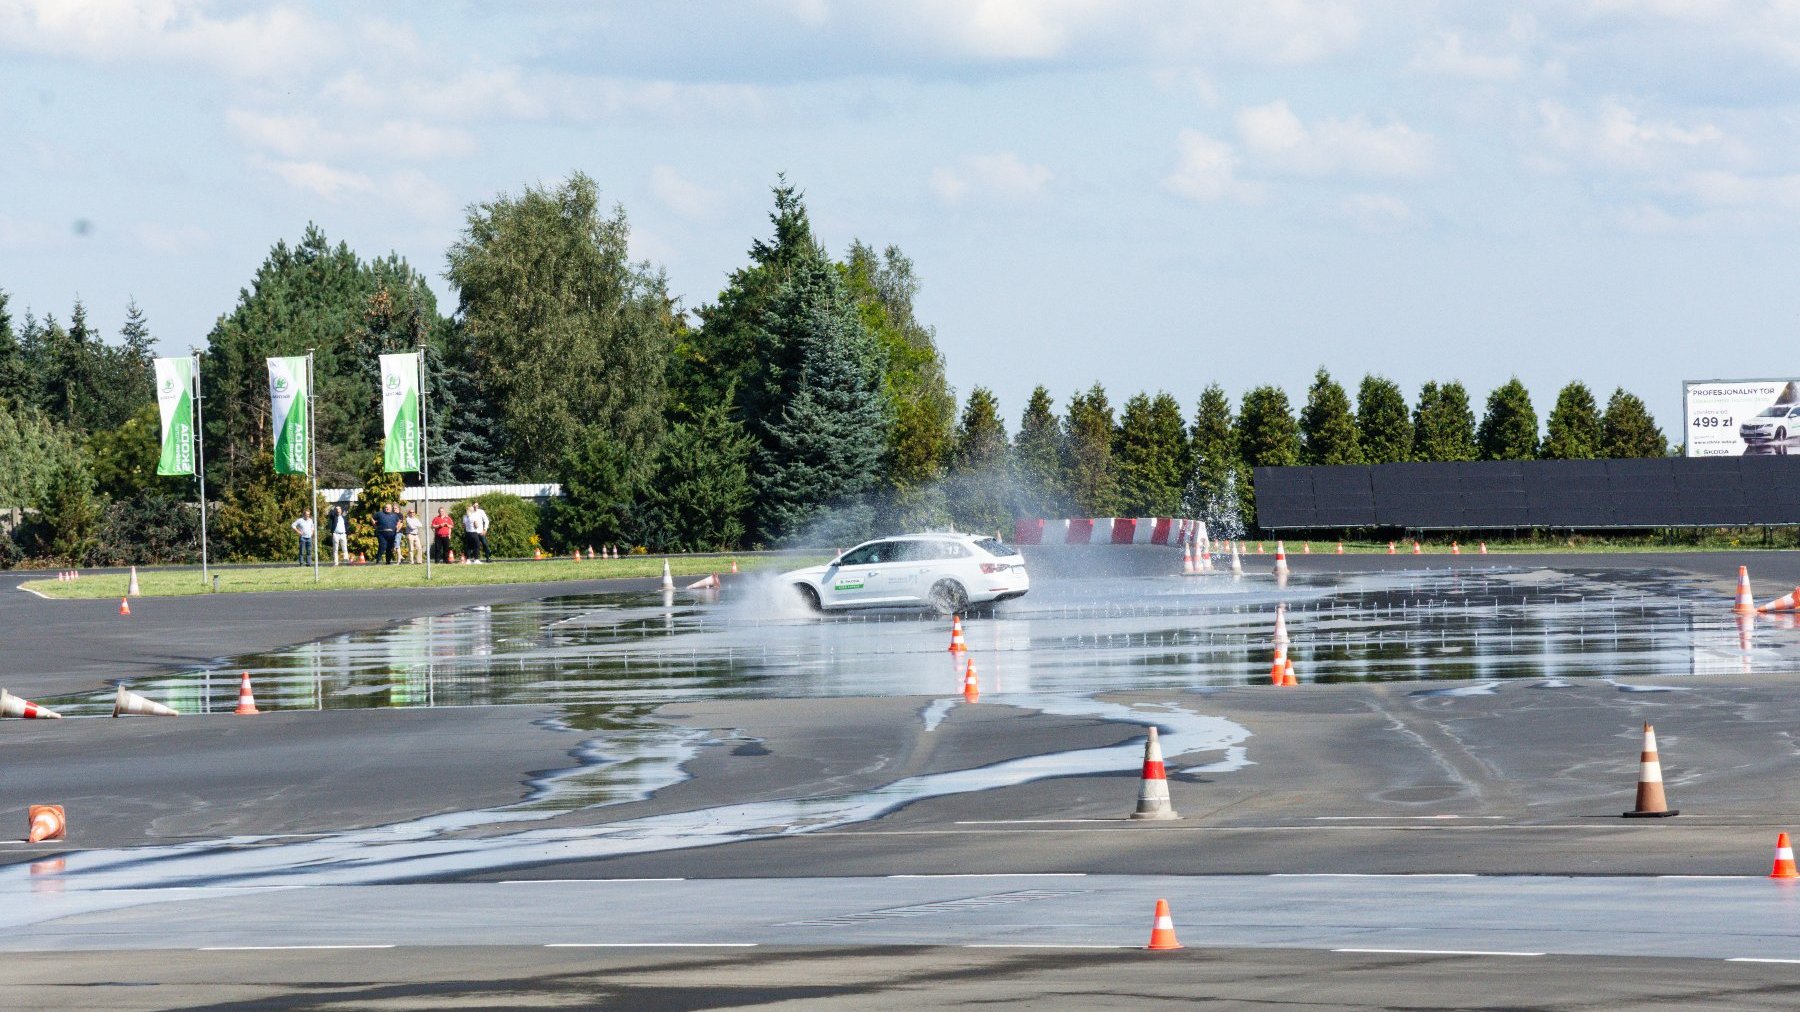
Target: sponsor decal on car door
[(856, 579)]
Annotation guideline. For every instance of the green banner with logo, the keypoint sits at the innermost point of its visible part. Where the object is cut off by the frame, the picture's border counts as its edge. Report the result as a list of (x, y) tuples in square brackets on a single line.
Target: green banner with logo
[(400, 411), (287, 409), (175, 399)]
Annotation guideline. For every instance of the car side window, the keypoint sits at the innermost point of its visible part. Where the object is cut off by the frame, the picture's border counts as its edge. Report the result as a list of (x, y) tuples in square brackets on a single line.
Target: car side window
[(912, 551), (867, 555)]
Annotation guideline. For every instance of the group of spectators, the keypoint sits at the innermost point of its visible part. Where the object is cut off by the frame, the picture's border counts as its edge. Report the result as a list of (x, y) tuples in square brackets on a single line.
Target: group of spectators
[(400, 536)]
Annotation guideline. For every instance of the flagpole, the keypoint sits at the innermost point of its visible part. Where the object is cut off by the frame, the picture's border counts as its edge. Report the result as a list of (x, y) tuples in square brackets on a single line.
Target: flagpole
[(200, 469), (424, 457), (312, 465)]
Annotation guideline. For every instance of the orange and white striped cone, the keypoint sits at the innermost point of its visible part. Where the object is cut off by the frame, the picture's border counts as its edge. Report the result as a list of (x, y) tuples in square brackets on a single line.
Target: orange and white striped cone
[(246, 699), (1237, 562), (1188, 568), (1305, 548), (705, 583), (18, 706), (45, 822), (1455, 548), (1280, 637), (1784, 859), (1340, 549), (590, 554), (957, 644), (1418, 549), (734, 568), (1280, 558), (1259, 548), (1651, 804), (124, 606), (1484, 548), (1786, 602), (1745, 603), (1287, 672), (1278, 670), (1162, 930), (130, 704), (576, 555), (1391, 548), (971, 683), (1153, 792)]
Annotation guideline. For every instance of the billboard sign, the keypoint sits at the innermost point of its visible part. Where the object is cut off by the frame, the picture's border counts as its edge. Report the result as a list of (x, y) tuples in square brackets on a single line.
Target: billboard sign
[(1735, 418)]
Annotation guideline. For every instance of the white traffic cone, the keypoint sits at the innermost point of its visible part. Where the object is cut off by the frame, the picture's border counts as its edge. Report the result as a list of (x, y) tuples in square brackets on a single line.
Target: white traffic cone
[(1153, 793), (1237, 563), (132, 590), (668, 580), (1281, 633), (130, 704), (17, 706)]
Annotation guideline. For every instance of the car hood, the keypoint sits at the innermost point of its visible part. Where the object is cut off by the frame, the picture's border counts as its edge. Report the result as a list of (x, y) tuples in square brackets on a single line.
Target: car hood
[(809, 573)]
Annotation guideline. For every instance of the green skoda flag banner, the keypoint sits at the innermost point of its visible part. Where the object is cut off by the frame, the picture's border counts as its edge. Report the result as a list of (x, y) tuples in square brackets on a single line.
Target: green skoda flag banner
[(287, 409), (175, 399), (400, 411)]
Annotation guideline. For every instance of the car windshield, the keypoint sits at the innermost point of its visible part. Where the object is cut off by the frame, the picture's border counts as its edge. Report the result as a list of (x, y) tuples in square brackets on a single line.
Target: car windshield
[(996, 548), (1778, 411)]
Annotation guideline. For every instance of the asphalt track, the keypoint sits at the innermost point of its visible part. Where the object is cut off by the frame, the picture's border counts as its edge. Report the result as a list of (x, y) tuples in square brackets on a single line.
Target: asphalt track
[(1520, 789)]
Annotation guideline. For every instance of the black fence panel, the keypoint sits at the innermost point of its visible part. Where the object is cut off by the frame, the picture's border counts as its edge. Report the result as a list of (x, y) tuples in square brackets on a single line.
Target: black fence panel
[(1653, 492)]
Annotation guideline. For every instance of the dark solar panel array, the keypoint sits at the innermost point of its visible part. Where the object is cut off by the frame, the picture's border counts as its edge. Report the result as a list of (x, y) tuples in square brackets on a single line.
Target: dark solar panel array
[(1656, 492)]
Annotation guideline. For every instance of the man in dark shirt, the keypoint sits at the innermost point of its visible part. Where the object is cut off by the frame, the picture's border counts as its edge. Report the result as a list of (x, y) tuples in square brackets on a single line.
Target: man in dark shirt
[(387, 527)]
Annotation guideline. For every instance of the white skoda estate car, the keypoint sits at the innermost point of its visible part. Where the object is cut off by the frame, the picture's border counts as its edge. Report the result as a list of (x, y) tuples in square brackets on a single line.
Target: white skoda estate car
[(949, 573)]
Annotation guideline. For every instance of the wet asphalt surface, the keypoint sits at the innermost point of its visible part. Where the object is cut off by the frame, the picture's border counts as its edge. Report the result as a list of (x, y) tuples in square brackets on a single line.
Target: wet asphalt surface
[(737, 752)]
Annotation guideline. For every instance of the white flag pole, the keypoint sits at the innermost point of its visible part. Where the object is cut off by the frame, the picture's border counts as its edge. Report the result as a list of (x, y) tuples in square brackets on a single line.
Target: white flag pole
[(312, 465), (424, 460), (200, 469)]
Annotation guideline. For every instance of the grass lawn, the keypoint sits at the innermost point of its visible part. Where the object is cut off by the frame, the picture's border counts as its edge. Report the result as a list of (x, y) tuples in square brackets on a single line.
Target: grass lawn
[(240, 579)]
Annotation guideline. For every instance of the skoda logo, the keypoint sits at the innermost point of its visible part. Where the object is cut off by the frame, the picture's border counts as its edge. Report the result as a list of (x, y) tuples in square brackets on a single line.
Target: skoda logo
[(281, 386), (393, 382), (168, 386)]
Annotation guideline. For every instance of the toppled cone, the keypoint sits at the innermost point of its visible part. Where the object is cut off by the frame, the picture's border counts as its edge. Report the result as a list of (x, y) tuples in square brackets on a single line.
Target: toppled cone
[(16, 706), (246, 699), (1153, 793), (129, 704), (46, 823), (1651, 804), (1784, 859), (1162, 930), (704, 583), (1786, 602)]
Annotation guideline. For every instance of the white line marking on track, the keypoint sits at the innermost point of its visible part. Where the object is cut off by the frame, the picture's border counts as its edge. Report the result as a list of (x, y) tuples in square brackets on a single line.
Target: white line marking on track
[(283, 948), (1027, 822), (1711, 876), (1004, 874), (650, 946), (1423, 818), (1358, 874), (1439, 952), (1754, 959), (279, 948), (572, 881), (1040, 945)]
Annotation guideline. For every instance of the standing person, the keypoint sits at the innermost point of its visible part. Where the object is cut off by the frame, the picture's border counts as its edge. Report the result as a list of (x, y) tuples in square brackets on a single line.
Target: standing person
[(304, 528), (415, 535), (440, 534), (339, 527), (475, 528), (387, 529)]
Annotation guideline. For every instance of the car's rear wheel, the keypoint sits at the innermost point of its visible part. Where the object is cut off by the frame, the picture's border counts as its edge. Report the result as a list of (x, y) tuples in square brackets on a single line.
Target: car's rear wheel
[(809, 596), (1781, 435), (948, 597)]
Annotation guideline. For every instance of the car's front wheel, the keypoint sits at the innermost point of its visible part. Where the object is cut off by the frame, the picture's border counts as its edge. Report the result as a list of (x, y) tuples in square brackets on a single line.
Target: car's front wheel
[(948, 598), (1781, 435), (809, 596)]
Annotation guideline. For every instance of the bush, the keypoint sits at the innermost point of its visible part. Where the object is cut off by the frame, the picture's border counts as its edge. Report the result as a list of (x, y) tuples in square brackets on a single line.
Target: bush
[(512, 524), (147, 528)]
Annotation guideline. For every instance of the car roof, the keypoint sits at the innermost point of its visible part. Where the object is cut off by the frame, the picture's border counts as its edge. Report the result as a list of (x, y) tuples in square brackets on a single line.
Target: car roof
[(929, 536)]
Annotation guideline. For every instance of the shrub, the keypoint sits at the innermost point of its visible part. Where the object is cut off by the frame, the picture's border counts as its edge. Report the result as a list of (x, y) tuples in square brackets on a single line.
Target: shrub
[(512, 524)]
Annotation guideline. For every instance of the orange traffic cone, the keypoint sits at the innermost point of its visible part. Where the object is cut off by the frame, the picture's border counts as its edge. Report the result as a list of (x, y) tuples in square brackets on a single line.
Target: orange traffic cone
[(1278, 670), (1280, 558), (1417, 550), (362, 559), (1162, 930), (1391, 548), (1651, 804), (537, 553), (15, 706), (47, 823), (1484, 548), (1305, 548), (1455, 548), (1786, 602), (957, 644), (734, 566), (1280, 637), (705, 583), (124, 606), (1340, 550), (1784, 859), (971, 684), (246, 699), (1188, 566), (1259, 548), (1287, 673), (1745, 603), (1153, 793), (576, 555)]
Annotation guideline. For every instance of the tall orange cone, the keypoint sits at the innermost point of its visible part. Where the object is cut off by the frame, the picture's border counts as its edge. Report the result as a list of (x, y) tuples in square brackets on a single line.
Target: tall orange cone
[(1153, 793), (16, 706), (1280, 558), (1784, 859), (1745, 603), (1278, 670), (971, 684), (46, 823), (1651, 804), (130, 704), (1162, 930), (124, 606), (1786, 602), (246, 699), (957, 644)]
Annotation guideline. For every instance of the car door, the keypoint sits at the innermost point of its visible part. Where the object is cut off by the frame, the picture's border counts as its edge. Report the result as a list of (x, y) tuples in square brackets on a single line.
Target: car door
[(856, 577)]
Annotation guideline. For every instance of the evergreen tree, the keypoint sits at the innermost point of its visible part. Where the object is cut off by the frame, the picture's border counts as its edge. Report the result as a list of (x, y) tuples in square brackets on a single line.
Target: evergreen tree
[(252, 518), (1328, 430), (15, 375), (32, 450), (1093, 481), (380, 487), (824, 448), (979, 465), (1039, 459), (1151, 454), (700, 490), (1216, 483), (69, 514), (1573, 431), (124, 458), (1627, 430), (1509, 427), (1267, 437), (1382, 422), (1443, 424), (1220, 507), (599, 488)]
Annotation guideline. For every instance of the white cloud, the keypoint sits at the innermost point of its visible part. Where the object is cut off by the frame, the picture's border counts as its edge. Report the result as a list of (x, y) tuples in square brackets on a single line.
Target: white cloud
[(1446, 54), (171, 240), (1377, 212), (306, 137), (1617, 136), (488, 93), (1280, 141), (409, 190), (681, 195), (1001, 176), (333, 184), (1206, 170), (266, 43)]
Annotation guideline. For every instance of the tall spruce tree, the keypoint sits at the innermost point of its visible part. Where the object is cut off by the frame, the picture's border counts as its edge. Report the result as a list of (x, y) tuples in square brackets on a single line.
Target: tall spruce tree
[(15, 376), (1328, 432), (980, 465), (1151, 457), (1443, 424), (1382, 422), (699, 491), (822, 452), (1093, 478), (1040, 459), (1627, 430), (1216, 478), (1267, 436), (1573, 431), (1509, 427)]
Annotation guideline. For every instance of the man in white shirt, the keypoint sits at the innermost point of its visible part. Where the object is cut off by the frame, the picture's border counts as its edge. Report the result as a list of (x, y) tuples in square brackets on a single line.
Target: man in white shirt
[(340, 534), (304, 528), (475, 528)]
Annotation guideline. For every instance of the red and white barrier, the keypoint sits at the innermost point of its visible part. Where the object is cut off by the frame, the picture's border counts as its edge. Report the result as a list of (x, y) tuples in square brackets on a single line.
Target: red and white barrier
[(1170, 531)]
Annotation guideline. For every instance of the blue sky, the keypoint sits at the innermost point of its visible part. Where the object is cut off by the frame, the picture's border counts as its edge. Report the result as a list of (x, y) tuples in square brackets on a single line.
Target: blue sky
[(1151, 194)]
